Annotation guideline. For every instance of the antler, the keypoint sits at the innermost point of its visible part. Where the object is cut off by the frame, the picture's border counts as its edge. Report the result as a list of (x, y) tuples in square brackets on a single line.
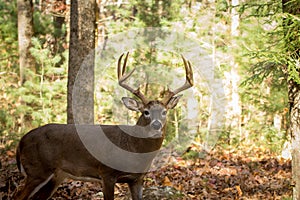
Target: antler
[(123, 77), (189, 82)]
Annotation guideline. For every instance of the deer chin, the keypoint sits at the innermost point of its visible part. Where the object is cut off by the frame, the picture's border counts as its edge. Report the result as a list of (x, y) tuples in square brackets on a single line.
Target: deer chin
[(149, 132), (156, 134)]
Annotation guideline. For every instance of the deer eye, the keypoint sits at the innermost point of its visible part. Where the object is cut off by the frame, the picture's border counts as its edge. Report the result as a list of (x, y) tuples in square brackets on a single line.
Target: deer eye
[(163, 113), (146, 113)]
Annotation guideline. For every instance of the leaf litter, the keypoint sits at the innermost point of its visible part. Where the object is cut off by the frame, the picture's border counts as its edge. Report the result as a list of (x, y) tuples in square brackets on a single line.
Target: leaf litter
[(221, 174)]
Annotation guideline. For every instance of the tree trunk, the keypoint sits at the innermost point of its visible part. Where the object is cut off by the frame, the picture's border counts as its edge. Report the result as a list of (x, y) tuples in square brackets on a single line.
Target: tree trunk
[(25, 33), (232, 78), (294, 99), (293, 7), (80, 106)]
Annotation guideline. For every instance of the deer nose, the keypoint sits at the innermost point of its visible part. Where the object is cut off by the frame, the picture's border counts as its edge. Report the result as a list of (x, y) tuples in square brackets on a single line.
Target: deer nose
[(156, 125)]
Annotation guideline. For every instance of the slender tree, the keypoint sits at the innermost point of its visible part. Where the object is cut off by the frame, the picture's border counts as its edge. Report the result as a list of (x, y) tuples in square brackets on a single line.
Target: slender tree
[(80, 106), (25, 33), (232, 76)]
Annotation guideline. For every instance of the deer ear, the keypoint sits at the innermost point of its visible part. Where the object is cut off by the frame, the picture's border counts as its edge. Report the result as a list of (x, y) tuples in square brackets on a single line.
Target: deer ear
[(173, 101), (132, 104)]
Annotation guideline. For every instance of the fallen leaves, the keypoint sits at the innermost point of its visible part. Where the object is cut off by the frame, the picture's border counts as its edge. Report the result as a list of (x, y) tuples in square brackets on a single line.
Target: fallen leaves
[(167, 182), (219, 175), (223, 176)]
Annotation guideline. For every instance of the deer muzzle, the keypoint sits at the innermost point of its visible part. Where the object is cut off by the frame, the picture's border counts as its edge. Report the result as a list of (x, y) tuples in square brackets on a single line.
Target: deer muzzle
[(156, 125)]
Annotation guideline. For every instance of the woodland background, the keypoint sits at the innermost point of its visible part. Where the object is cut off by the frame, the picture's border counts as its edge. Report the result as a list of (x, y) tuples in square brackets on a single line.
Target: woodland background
[(254, 46)]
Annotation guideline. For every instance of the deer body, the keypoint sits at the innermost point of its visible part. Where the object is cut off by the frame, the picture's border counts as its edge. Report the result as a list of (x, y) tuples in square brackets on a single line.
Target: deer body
[(55, 159), (49, 154)]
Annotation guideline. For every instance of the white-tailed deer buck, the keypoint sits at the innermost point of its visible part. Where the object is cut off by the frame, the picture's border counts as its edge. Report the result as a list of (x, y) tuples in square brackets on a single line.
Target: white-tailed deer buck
[(49, 154)]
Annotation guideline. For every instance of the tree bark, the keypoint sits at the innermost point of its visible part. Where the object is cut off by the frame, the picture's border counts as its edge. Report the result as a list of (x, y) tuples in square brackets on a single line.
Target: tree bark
[(25, 33), (293, 7), (80, 108), (294, 98), (232, 78)]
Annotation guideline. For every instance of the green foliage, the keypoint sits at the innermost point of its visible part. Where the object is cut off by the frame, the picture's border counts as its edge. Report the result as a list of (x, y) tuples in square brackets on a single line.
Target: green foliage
[(157, 13), (8, 68), (291, 29), (278, 32), (268, 137), (8, 36), (39, 101), (42, 98), (139, 14), (42, 23), (264, 59)]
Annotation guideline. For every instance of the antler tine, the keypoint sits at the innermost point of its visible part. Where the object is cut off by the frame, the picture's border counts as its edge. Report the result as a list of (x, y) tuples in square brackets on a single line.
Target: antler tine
[(119, 64), (122, 77), (189, 81), (125, 63)]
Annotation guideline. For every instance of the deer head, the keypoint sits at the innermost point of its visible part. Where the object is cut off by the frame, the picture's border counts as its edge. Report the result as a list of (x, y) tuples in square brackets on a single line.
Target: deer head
[(153, 112)]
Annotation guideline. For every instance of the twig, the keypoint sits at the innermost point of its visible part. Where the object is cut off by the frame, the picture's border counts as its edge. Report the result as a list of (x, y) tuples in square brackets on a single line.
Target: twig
[(14, 55)]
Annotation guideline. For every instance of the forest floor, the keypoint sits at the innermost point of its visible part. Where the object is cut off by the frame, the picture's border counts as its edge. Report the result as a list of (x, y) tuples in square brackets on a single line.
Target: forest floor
[(221, 174)]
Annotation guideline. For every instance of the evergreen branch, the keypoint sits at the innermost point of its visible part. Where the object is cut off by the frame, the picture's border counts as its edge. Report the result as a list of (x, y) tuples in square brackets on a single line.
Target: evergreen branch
[(7, 57)]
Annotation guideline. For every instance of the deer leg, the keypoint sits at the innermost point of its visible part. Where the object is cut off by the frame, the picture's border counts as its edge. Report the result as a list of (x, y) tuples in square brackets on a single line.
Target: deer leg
[(47, 190), (136, 189), (29, 187), (108, 189)]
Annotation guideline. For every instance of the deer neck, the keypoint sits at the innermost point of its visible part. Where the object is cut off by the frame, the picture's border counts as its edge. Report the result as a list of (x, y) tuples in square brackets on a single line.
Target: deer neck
[(142, 121)]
